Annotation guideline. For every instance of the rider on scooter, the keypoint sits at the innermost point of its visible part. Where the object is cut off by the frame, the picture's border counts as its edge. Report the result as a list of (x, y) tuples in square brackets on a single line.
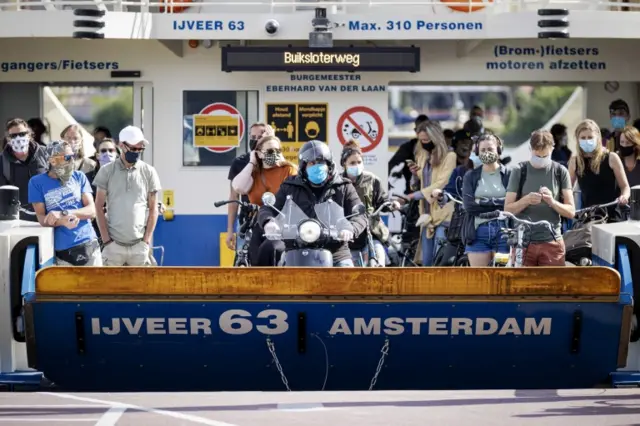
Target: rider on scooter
[(317, 182)]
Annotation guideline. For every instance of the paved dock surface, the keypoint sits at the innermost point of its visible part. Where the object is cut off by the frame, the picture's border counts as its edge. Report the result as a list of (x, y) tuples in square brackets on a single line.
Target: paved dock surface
[(593, 407)]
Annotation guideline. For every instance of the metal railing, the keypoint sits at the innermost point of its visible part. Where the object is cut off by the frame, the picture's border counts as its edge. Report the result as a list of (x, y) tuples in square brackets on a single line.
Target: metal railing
[(336, 6)]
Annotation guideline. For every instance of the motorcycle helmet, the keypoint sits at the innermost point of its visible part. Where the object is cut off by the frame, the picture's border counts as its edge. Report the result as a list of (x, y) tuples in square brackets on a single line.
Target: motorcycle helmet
[(315, 152)]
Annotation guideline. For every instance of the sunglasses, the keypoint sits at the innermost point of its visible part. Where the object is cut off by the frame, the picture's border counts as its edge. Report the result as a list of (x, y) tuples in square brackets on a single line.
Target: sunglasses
[(57, 159), (18, 135), (105, 150), (133, 149), (272, 151)]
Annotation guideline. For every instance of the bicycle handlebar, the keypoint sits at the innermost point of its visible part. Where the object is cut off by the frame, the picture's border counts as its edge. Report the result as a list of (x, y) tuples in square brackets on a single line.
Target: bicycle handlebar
[(596, 207), (382, 206), (239, 202), (502, 215), (451, 197)]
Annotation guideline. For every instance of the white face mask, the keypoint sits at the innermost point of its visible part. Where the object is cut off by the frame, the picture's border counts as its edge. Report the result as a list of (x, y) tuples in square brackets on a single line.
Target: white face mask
[(540, 162), (106, 157), (20, 144)]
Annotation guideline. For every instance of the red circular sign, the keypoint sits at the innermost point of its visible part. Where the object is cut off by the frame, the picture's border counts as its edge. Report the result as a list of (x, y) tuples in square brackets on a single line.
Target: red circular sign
[(363, 125), (229, 110)]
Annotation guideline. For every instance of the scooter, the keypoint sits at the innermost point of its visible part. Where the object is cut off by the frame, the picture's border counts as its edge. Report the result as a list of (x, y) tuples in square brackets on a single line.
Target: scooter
[(307, 239)]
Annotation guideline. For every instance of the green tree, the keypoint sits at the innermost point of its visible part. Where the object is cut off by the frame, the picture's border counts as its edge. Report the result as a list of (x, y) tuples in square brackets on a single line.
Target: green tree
[(114, 113), (534, 111)]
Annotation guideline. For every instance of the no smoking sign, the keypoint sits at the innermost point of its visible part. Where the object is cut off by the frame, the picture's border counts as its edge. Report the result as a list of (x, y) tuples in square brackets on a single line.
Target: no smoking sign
[(363, 125)]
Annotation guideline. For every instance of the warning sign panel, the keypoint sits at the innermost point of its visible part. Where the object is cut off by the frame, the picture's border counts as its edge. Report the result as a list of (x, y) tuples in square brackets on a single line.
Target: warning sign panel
[(216, 131), (296, 124), (363, 125)]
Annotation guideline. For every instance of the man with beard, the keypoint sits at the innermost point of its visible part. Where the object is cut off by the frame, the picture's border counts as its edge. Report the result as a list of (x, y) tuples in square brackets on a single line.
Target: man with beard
[(21, 159)]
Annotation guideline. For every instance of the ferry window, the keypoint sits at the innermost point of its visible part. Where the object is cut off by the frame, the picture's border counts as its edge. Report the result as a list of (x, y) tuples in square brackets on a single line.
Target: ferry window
[(201, 131)]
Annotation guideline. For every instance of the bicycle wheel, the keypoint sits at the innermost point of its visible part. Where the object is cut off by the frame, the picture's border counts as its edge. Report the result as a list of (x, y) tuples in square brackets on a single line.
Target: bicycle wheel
[(463, 261)]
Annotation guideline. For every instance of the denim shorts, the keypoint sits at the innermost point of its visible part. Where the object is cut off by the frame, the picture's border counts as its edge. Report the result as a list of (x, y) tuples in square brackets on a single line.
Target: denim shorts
[(488, 239)]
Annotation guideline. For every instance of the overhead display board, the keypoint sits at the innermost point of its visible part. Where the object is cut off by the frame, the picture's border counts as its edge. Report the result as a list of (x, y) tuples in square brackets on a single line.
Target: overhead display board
[(345, 59)]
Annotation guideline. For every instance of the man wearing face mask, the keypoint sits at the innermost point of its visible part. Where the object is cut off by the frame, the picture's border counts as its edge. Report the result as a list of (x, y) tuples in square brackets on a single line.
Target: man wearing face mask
[(619, 114), (317, 182), (62, 199), (540, 189), (256, 132), (130, 187), (21, 159)]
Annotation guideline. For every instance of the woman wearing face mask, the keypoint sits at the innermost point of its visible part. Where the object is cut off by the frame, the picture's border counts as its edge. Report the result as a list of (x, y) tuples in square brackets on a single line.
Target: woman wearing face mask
[(265, 172), (630, 153), (431, 172), (484, 191), (73, 136), (62, 199), (106, 153), (599, 172), (372, 194)]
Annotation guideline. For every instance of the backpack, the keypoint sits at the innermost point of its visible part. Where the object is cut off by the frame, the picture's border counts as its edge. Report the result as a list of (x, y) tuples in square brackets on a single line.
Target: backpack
[(557, 172)]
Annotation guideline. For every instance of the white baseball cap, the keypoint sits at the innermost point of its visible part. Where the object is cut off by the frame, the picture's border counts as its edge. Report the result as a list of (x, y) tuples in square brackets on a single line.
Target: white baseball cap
[(132, 135)]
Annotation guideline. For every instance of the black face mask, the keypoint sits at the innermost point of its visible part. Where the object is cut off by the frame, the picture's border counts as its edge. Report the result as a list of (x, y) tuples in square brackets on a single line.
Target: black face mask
[(131, 157), (626, 151), (252, 143), (429, 146)]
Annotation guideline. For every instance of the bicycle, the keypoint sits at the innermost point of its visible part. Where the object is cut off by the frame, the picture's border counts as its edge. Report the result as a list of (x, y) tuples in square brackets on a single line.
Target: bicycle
[(372, 258), (577, 240), (402, 247), (514, 236), (452, 252), (245, 232)]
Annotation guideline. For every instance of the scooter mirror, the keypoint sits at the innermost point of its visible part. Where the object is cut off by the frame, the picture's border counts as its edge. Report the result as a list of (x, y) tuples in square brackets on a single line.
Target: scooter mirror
[(268, 199), (359, 209)]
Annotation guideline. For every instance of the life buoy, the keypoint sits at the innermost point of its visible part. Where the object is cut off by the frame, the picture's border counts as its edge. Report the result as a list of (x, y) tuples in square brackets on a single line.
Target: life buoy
[(467, 8), (174, 9)]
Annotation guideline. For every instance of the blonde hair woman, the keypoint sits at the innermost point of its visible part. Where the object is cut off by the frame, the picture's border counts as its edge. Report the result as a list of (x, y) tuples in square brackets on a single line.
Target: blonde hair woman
[(630, 153), (73, 136), (431, 171), (599, 172)]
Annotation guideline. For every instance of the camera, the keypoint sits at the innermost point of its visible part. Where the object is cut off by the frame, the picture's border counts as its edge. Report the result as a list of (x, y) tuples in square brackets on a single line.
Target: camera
[(272, 26)]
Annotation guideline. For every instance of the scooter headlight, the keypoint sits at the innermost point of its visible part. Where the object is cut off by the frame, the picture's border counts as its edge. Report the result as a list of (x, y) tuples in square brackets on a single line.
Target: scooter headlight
[(309, 231)]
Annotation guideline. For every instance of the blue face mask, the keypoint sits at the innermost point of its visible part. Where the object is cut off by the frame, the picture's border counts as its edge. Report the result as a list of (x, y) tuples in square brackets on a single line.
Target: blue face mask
[(355, 171), (588, 145), (317, 173), (475, 159), (618, 122)]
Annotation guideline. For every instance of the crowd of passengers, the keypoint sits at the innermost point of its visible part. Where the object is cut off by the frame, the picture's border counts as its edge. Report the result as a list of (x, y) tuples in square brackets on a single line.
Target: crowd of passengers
[(103, 207), (468, 162)]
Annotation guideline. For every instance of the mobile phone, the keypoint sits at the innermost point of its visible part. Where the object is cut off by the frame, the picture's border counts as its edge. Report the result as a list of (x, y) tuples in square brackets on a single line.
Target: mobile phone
[(410, 162)]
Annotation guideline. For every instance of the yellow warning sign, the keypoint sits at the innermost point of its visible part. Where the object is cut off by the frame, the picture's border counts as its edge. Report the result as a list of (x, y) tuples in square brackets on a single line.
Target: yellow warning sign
[(167, 198), (298, 123), (216, 130)]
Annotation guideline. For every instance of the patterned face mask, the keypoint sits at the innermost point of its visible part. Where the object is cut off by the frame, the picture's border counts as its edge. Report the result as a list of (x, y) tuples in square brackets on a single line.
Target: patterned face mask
[(271, 159), (64, 172), (488, 157), (20, 144)]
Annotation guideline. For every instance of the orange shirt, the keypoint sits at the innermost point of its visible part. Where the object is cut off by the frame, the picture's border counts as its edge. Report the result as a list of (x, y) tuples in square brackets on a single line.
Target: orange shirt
[(270, 181)]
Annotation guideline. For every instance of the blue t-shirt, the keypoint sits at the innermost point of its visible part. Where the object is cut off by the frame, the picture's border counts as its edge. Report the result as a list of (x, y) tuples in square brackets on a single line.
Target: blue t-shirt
[(45, 189)]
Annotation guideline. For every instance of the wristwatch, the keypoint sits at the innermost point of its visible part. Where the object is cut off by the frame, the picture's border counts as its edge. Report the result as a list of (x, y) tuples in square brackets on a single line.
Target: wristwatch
[(65, 212)]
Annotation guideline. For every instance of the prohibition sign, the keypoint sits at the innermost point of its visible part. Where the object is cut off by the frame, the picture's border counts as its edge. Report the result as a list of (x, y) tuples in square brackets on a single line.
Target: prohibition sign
[(221, 108), (363, 125)]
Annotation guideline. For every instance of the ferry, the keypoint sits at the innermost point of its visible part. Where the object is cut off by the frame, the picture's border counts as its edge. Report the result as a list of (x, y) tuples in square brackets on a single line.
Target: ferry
[(313, 70)]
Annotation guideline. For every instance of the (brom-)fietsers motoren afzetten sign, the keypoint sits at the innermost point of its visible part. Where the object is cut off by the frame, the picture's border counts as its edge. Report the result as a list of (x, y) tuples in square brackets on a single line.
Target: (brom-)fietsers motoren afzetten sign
[(355, 59)]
